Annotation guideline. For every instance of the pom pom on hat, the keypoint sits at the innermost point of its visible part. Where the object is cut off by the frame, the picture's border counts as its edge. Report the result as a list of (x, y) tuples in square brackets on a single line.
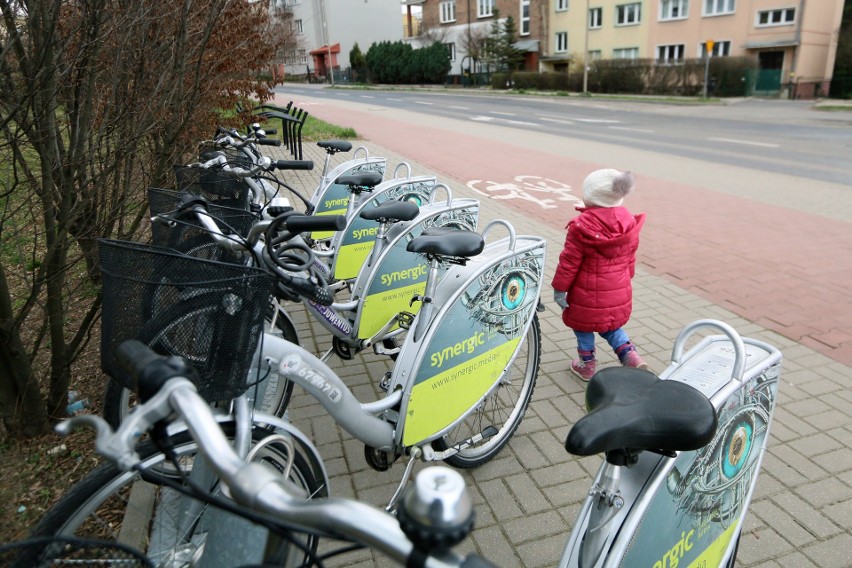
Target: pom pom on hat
[(607, 187)]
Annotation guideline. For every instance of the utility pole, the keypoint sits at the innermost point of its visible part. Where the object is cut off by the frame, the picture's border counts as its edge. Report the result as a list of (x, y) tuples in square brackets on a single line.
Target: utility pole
[(326, 39), (586, 52)]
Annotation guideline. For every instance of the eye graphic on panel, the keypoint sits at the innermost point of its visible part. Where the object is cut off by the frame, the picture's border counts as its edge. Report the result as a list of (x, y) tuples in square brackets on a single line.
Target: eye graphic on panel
[(715, 485), (507, 294), (417, 193)]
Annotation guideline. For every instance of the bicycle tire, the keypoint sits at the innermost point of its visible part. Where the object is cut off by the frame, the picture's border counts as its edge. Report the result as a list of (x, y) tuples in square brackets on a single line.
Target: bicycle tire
[(118, 399), (103, 504), (504, 409)]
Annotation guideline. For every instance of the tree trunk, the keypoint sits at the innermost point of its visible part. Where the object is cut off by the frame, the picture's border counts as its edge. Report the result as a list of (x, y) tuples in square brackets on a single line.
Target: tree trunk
[(21, 408)]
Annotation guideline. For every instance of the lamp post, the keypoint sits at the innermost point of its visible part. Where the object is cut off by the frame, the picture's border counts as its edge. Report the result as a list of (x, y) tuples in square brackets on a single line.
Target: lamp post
[(327, 42), (586, 53)]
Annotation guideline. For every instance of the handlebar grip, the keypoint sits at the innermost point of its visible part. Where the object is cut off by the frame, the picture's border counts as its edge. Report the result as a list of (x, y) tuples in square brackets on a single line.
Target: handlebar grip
[(268, 142), (294, 164), (150, 370), (133, 356), (271, 131), (304, 223), (312, 291)]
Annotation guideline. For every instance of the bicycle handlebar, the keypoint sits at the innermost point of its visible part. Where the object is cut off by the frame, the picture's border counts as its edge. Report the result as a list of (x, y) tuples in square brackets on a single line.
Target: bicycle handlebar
[(251, 484)]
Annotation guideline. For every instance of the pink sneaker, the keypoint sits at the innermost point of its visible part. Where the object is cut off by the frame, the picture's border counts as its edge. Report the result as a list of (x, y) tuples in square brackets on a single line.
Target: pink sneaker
[(583, 369), (632, 359)]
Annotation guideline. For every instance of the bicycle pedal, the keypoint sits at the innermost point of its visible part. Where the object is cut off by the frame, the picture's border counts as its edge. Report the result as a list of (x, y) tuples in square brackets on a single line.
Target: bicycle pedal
[(405, 319), (387, 347)]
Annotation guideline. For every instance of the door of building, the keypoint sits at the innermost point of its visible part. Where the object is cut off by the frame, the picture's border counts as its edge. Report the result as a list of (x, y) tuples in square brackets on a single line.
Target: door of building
[(769, 73)]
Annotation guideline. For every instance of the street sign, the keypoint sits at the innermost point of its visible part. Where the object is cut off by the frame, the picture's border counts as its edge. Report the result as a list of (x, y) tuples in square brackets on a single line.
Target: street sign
[(708, 46)]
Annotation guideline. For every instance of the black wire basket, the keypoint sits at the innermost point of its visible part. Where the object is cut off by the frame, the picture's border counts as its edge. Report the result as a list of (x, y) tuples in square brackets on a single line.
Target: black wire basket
[(70, 551), (213, 185), (209, 312), (188, 231)]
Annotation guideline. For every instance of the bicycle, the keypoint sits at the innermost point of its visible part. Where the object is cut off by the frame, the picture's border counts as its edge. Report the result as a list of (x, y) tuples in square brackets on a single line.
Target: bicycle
[(493, 289), (681, 467), (220, 340), (682, 453), (435, 515)]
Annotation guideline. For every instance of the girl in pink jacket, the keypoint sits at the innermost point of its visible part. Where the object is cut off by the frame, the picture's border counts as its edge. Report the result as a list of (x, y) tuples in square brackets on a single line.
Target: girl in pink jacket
[(592, 282)]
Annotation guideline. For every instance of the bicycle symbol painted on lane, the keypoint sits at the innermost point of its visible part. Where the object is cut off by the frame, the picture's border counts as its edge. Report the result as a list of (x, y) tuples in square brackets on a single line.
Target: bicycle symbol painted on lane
[(542, 191)]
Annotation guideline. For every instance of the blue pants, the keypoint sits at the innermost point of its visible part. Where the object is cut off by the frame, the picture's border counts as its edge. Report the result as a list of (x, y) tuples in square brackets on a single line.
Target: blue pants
[(615, 338)]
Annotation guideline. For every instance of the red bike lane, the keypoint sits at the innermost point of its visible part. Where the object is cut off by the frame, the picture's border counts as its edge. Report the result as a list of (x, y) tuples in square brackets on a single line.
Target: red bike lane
[(786, 270)]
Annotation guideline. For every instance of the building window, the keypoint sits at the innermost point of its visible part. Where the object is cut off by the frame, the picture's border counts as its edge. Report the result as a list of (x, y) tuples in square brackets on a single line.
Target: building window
[(561, 42), (720, 49), (595, 18), (781, 17), (626, 53), (719, 7), (296, 57), (561, 5), (485, 8), (298, 29), (448, 12), (670, 53), (595, 54), (674, 10), (628, 14), (451, 49), (525, 18)]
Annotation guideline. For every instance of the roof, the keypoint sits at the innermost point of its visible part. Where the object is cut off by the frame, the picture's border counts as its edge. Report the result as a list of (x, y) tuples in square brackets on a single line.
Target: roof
[(325, 49), (777, 43)]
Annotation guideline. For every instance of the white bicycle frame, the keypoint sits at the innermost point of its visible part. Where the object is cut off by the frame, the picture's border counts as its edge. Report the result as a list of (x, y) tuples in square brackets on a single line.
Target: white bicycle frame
[(687, 510), (376, 423)]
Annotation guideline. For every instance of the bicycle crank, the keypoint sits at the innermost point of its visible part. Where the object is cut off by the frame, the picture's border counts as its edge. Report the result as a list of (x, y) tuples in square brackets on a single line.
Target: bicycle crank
[(430, 454), (379, 460)]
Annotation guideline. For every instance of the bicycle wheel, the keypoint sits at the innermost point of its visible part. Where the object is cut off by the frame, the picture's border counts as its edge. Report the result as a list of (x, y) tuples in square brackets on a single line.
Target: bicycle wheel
[(503, 409), (170, 528), (166, 333)]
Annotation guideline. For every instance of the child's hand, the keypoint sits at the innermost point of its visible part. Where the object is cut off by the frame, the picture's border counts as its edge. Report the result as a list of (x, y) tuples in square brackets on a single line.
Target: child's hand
[(560, 298)]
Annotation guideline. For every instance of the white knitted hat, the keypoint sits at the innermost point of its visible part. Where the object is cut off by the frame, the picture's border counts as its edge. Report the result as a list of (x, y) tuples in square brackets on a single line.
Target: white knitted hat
[(607, 187)]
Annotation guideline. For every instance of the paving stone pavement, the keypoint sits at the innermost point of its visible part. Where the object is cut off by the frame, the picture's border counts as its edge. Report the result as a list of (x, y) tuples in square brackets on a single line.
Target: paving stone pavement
[(526, 499)]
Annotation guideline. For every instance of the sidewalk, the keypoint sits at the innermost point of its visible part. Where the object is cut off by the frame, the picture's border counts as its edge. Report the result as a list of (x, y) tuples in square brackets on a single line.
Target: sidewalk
[(527, 498)]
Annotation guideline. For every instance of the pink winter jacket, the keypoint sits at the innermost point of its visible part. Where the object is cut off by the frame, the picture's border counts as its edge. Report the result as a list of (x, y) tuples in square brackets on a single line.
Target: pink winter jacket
[(596, 266)]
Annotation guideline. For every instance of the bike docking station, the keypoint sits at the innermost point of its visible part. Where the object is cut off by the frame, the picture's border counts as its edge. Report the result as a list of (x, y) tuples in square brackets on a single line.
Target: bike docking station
[(332, 198), (673, 508), (350, 248)]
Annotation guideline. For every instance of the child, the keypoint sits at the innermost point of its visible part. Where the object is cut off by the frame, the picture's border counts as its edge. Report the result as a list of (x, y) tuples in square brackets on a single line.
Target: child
[(592, 281)]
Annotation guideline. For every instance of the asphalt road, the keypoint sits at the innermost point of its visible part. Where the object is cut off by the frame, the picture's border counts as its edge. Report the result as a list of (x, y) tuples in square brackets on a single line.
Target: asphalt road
[(779, 136)]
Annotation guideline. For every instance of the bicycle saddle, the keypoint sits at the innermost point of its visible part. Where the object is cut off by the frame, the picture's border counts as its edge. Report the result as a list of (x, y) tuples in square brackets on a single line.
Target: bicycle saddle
[(447, 241), (334, 146), (632, 409), (360, 181), (391, 211)]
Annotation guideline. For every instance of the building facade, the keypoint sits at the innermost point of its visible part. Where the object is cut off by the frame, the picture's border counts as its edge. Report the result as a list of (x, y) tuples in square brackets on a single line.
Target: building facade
[(328, 30), (463, 25), (793, 41)]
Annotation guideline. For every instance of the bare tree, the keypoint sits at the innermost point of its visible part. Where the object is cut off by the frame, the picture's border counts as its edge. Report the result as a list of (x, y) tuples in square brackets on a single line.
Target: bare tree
[(97, 99)]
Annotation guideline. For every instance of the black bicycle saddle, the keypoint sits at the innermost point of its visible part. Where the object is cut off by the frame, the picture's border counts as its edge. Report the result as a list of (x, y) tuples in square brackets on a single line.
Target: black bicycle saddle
[(391, 211), (360, 181), (633, 409), (447, 241)]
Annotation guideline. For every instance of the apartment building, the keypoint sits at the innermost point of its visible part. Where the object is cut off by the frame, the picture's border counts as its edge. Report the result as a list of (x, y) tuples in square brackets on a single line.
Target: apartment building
[(793, 41), (462, 25), (328, 30)]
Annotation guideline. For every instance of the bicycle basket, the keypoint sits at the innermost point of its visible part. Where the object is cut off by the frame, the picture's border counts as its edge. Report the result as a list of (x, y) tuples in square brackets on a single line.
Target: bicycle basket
[(213, 186), (209, 312), (230, 220), (65, 550)]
